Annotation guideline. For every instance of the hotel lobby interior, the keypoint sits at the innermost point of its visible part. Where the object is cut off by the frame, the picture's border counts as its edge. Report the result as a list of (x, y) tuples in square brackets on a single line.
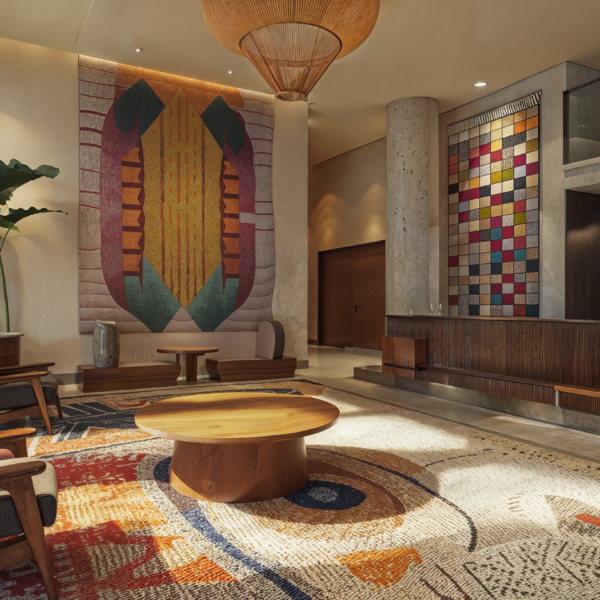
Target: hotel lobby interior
[(300, 300)]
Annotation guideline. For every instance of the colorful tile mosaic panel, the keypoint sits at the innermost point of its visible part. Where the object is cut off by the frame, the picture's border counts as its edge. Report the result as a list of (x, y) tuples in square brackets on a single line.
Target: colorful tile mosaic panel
[(493, 212)]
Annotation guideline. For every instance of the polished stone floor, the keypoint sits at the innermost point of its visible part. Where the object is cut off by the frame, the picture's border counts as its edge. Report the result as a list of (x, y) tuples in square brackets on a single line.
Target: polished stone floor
[(335, 368)]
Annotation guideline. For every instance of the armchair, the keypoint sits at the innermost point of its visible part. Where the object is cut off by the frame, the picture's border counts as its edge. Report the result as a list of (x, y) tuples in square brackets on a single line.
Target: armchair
[(28, 503), (28, 390)]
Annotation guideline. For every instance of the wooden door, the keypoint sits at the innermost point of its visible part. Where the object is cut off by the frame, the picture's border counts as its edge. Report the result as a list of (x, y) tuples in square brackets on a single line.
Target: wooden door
[(337, 302), (369, 295)]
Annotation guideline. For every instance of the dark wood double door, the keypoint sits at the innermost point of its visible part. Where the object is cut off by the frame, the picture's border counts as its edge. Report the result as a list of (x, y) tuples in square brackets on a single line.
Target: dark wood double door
[(352, 296)]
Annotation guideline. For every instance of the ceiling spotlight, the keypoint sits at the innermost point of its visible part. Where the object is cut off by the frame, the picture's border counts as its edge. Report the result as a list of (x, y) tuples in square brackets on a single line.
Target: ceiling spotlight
[(139, 49), (230, 72), (480, 84)]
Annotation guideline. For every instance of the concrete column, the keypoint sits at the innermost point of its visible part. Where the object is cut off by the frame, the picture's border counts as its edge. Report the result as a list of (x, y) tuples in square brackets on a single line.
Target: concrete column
[(412, 271), (290, 209)]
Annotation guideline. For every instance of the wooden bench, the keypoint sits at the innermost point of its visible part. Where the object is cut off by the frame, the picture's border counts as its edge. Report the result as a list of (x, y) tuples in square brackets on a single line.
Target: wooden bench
[(128, 376), (251, 369)]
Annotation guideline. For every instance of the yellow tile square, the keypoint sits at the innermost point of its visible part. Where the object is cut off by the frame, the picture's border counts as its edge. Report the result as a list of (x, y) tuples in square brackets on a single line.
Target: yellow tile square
[(496, 135), (496, 177), (463, 176), (520, 230), (508, 209), (532, 180), (473, 225), (497, 145), (474, 183), (497, 210), (508, 131), (497, 124), (484, 299), (532, 145), (473, 204), (453, 179)]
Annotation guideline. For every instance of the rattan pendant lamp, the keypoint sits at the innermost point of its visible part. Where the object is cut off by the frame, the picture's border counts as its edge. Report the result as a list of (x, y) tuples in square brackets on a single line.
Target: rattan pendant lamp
[(291, 42)]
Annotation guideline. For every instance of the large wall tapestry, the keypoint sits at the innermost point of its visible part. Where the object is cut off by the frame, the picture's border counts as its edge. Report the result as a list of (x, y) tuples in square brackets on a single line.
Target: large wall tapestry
[(493, 211), (176, 219)]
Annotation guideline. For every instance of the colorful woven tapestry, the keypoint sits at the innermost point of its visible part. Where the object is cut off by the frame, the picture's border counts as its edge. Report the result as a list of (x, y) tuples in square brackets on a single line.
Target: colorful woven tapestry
[(400, 505), (176, 219), (493, 216)]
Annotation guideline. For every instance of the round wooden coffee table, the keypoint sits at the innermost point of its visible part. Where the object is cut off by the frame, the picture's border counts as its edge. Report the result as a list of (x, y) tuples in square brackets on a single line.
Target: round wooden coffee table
[(191, 357), (238, 447)]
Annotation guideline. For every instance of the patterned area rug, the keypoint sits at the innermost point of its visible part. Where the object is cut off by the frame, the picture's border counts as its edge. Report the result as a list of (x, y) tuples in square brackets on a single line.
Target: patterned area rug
[(400, 505)]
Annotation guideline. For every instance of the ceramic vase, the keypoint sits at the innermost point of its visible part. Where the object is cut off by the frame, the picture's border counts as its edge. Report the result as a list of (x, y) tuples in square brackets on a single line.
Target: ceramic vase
[(106, 345)]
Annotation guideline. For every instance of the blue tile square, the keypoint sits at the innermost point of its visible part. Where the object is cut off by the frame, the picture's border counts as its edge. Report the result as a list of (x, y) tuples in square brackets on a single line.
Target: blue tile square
[(496, 257), (496, 299), (497, 233), (520, 255)]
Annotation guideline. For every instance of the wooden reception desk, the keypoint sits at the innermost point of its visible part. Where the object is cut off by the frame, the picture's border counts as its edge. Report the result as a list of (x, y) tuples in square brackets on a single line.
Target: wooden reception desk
[(511, 357)]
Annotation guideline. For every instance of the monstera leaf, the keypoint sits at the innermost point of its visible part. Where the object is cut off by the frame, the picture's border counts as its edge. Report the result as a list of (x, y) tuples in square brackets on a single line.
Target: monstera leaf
[(15, 174), (10, 220)]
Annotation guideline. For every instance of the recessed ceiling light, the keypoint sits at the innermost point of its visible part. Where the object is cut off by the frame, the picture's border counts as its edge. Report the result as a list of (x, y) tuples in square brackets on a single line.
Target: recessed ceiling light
[(480, 84), (139, 49), (230, 72)]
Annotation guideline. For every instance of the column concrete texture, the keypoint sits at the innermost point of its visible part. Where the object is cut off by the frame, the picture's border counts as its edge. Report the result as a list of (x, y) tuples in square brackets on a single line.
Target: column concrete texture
[(412, 270), (290, 210)]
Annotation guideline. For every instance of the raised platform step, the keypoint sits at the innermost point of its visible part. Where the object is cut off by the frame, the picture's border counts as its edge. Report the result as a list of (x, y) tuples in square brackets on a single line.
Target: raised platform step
[(128, 376)]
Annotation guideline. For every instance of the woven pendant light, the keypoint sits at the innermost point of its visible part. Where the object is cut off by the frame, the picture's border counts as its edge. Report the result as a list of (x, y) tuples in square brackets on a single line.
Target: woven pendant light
[(291, 42)]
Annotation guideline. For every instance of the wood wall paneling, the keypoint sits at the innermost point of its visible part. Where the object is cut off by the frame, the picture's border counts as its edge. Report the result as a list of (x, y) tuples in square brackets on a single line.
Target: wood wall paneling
[(402, 352), (582, 256), (544, 350)]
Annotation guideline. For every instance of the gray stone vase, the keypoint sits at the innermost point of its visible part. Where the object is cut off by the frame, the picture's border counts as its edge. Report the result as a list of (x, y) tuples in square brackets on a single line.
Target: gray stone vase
[(106, 345)]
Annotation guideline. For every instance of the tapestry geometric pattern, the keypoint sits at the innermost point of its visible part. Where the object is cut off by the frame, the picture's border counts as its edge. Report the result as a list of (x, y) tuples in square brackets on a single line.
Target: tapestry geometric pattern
[(176, 215), (493, 233)]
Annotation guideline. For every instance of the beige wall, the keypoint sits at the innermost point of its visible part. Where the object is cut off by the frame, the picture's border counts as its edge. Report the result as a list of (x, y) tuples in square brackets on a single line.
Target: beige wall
[(346, 206), (39, 124)]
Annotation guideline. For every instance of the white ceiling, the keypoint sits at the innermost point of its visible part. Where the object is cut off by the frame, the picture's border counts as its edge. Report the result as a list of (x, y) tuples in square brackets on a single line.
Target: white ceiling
[(436, 48)]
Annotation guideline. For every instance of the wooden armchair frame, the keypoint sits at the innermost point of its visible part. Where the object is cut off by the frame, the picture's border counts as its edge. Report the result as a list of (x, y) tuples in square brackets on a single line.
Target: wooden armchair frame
[(29, 374), (16, 479)]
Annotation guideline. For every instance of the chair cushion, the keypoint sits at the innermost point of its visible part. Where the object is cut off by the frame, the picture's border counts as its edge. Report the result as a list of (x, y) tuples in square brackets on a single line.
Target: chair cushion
[(46, 491), (6, 454), (270, 340), (18, 395)]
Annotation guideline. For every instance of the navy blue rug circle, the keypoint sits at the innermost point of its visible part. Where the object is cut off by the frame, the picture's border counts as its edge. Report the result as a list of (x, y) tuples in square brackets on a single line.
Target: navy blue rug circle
[(162, 470), (327, 495)]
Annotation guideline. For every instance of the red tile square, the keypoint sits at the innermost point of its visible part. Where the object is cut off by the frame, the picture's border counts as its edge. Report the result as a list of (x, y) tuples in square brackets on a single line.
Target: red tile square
[(463, 217), (533, 168), (508, 277), (474, 162), (474, 193), (474, 237), (520, 288), (520, 206), (496, 288), (520, 243), (520, 160), (474, 152), (508, 232), (496, 222), (463, 196), (485, 149), (496, 156), (453, 160), (496, 199), (508, 255), (520, 310), (452, 169), (453, 300), (496, 245), (508, 299), (453, 261)]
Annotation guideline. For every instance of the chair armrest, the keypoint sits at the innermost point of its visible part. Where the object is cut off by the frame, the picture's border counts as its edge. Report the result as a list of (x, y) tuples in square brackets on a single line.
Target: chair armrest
[(12, 472), (14, 435), (25, 368), (17, 377)]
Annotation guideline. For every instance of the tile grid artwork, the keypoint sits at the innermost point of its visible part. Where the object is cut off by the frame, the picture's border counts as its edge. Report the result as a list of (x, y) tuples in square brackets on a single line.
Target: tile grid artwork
[(493, 212)]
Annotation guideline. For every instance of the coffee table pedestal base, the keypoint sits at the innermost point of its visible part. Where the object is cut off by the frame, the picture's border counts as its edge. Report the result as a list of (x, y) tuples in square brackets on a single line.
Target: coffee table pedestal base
[(239, 472)]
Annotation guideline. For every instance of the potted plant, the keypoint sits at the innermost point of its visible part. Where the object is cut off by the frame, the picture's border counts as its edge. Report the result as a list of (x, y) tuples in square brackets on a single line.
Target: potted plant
[(13, 176)]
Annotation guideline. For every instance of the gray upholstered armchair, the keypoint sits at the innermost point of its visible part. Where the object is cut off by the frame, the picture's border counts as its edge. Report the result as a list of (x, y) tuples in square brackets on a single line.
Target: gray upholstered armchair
[(28, 390), (28, 503)]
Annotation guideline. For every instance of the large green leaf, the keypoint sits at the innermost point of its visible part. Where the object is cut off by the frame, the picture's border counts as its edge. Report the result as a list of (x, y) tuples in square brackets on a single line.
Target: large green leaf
[(16, 215), (15, 174)]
